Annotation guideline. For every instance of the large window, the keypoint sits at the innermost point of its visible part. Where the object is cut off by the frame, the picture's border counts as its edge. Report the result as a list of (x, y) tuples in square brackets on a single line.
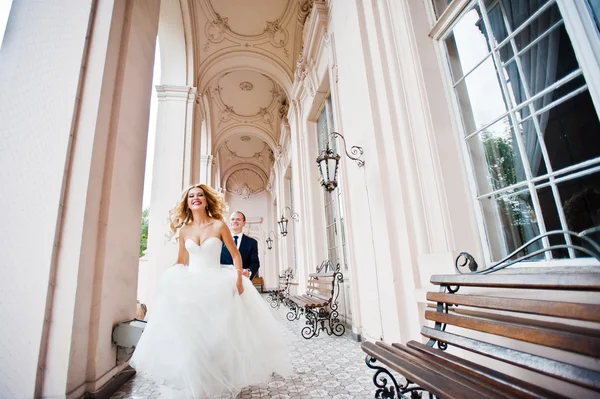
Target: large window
[(530, 127)]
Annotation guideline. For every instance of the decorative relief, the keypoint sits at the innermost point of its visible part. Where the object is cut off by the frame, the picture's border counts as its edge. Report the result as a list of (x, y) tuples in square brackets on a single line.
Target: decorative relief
[(265, 113), (226, 113), (215, 30), (300, 72), (245, 138), (308, 85), (222, 25), (304, 10), (266, 116), (246, 86), (263, 158), (283, 109), (245, 183), (278, 35)]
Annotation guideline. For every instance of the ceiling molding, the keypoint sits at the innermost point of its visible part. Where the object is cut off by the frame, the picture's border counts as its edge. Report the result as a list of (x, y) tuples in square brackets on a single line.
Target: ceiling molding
[(244, 129), (220, 23), (238, 60)]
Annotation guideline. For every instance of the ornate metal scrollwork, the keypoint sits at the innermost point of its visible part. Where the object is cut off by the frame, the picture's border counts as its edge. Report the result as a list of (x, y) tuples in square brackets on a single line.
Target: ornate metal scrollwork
[(592, 249), (387, 385), (295, 312), (326, 264)]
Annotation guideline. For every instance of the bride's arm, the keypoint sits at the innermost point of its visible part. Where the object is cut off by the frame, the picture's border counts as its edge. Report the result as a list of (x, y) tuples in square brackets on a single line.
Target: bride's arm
[(182, 256), (235, 253)]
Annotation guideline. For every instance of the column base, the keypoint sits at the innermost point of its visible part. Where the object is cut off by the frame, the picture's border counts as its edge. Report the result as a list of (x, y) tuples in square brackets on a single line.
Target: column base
[(108, 389)]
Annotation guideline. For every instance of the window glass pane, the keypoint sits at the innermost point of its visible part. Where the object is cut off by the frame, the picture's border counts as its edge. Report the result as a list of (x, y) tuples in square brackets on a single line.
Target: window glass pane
[(510, 222), (467, 44), (439, 6), (551, 219), (540, 26), (540, 66), (518, 11), (580, 199), (570, 131), (595, 9), (498, 25), (495, 156), (322, 130), (480, 97)]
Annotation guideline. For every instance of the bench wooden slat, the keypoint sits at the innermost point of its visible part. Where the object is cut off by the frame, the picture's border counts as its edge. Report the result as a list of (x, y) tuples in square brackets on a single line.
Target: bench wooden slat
[(551, 325), (558, 281), (308, 301), (320, 290), (321, 275), (454, 373), (577, 311), (300, 299), (431, 380), (567, 372), (320, 283), (493, 377), (324, 298), (542, 336)]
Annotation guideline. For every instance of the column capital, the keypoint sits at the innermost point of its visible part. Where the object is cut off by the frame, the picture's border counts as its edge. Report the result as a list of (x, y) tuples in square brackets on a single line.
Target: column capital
[(175, 93), (206, 159)]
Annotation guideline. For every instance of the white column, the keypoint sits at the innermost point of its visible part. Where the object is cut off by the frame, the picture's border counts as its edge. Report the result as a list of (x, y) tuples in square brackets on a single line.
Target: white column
[(206, 161), (188, 162), (171, 174), (72, 219)]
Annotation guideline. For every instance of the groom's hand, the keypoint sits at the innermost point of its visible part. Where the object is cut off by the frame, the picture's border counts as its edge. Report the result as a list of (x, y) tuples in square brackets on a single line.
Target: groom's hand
[(246, 272)]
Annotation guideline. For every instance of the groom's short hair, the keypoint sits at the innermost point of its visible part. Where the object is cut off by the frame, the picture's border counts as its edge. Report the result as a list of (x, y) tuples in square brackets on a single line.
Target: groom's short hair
[(241, 213)]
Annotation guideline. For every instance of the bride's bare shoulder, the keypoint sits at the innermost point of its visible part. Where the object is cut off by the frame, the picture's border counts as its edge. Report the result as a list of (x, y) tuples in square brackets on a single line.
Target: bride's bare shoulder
[(184, 230), (219, 224)]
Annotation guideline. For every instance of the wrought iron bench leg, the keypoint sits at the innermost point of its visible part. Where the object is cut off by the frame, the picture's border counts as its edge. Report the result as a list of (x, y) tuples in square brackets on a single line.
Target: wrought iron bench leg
[(391, 389), (311, 329), (295, 312), (335, 326)]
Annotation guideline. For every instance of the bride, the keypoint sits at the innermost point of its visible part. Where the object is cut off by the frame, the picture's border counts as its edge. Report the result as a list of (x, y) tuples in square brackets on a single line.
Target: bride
[(209, 332)]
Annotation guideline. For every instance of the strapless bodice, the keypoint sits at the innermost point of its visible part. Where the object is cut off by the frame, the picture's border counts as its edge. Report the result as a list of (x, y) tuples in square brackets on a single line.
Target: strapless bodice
[(205, 255)]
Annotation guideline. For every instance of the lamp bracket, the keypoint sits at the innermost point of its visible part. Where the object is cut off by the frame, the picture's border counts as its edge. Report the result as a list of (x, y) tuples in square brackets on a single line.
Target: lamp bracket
[(293, 215), (355, 150)]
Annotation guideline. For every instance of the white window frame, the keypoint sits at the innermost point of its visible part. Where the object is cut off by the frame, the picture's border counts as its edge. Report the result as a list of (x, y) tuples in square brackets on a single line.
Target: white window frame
[(585, 40)]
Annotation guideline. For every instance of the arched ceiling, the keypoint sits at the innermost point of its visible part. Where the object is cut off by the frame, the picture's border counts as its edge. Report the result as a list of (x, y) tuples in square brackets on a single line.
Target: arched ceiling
[(245, 53)]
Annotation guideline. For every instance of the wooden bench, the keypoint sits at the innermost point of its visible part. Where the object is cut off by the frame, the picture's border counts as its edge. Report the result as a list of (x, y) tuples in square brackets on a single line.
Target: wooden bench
[(501, 323), (281, 294), (258, 283), (319, 304)]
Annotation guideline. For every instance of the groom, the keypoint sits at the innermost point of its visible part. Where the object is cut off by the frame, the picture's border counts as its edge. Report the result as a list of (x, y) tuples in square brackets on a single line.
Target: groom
[(247, 246)]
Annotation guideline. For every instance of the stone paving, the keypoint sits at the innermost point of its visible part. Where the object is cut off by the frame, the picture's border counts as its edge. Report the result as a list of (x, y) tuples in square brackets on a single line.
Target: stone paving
[(324, 367)]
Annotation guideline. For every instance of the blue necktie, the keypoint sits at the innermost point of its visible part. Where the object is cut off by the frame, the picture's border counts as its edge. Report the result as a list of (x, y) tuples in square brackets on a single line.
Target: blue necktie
[(235, 239)]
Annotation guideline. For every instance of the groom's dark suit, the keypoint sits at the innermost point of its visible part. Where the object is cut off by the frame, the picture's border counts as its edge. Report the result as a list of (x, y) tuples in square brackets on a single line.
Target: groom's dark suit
[(249, 251)]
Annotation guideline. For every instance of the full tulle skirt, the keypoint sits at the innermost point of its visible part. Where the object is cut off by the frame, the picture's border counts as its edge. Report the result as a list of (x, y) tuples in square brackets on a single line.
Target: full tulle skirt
[(203, 339)]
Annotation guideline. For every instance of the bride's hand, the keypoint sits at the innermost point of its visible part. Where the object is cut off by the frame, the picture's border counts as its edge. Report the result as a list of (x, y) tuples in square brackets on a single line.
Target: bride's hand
[(240, 286)]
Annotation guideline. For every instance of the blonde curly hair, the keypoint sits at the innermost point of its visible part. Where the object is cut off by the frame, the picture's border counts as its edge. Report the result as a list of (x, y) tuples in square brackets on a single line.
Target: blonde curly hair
[(181, 214)]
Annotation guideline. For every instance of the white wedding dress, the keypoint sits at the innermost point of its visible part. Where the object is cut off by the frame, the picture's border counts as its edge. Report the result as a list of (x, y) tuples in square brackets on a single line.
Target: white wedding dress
[(203, 339)]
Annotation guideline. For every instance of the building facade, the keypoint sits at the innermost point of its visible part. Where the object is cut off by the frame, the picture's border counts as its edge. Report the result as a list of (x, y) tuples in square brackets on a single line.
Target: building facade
[(477, 120)]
